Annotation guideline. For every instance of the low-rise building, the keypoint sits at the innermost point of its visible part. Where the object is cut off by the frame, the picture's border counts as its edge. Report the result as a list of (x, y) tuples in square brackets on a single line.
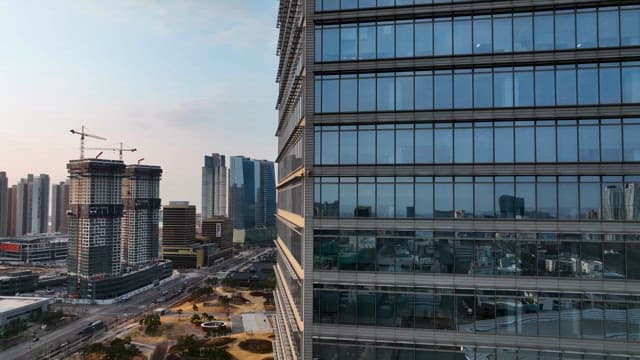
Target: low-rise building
[(15, 307), (18, 282), (35, 248)]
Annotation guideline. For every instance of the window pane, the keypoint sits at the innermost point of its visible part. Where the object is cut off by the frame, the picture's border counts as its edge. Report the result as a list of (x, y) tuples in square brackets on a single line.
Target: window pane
[(543, 25), (366, 200), (463, 92), (348, 95), (348, 43), (631, 84), (442, 37), (523, 88), (525, 144), (505, 202), (424, 38), (463, 145), (424, 92), (483, 145), (587, 29), (366, 94), (568, 147), (386, 93), (587, 86), (524, 204), (523, 33), (404, 40), (443, 201), (317, 96), (463, 201), (347, 200), (609, 85), (566, 85), (366, 42), (503, 89), (546, 196), (567, 200), (385, 203), (404, 146), (608, 28), (331, 44), (589, 200), (462, 36), (385, 41), (330, 147), (482, 35), (443, 90), (504, 145), (366, 147), (565, 30), (443, 146), (385, 147), (424, 200), (330, 201), (404, 93), (484, 200), (330, 95), (404, 201), (630, 27), (611, 142), (348, 147), (424, 146), (588, 143), (482, 86), (318, 44), (502, 30), (545, 87), (632, 142), (545, 144)]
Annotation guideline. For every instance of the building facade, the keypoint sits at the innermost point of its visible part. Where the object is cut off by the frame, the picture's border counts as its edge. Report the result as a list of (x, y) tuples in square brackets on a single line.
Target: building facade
[(94, 221), (32, 216), (252, 199), (140, 221), (218, 230), (12, 209), (36, 248), (457, 179), (4, 204), (59, 207), (214, 186)]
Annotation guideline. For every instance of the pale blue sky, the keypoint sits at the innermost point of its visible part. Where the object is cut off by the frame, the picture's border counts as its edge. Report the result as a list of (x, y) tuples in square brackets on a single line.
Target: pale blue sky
[(176, 79)]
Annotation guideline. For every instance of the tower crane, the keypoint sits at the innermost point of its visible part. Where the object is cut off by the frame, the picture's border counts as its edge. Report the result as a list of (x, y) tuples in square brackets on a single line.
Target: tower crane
[(83, 134), (120, 149)]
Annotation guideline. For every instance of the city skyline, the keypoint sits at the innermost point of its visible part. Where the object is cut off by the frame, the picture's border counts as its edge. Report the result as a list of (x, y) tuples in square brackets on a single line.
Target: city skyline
[(113, 82)]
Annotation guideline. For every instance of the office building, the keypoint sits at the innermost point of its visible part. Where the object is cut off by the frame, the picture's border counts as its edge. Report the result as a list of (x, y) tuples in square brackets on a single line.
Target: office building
[(4, 204), (12, 210), (179, 235), (252, 199), (468, 180), (32, 205), (59, 207), (140, 222), (214, 186), (218, 230), (36, 248)]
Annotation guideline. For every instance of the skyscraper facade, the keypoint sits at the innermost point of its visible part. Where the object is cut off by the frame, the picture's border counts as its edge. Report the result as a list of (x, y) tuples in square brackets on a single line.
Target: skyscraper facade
[(59, 207), (252, 198), (4, 203), (140, 221), (12, 209), (468, 180), (95, 203), (214, 186), (32, 205)]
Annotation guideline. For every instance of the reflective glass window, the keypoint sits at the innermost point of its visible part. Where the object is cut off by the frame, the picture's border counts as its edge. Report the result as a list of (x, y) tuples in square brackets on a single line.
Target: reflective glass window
[(568, 200), (348, 93), (318, 44), (424, 200), (588, 143), (424, 146), (502, 34), (482, 89), (385, 200), (404, 201), (631, 83), (545, 86), (503, 89), (587, 85), (587, 29), (523, 32), (366, 93), (547, 200), (506, 204), (523, 88), (632, 142), (424, 38), (385, 146), (330, 201), (630, 26), (483, 144), (504, 142), (463, 89), (443, 90), (482, 42), (463, 200), (330, 95), (423, 92), (463, 150), (589, 200), (462, 37), (366, 147), (524, 203), (386, 36), (404, 146), (366, 41), (609, 85), (608, 27), (543, 31), (331, 43), (404, 39), (565, 30), (366, 200), (484, 200), (404, 93), (442, 37), (566, 86), (443, 204), (348, 147), (611, 143), (330, 146), (443, 146), (386, 92), (545, 144), (347, 199), (568, 146), (349, 43), (525, 144)]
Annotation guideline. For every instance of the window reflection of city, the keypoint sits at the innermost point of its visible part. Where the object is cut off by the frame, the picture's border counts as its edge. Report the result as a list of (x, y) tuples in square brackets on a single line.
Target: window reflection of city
[(574, 255)]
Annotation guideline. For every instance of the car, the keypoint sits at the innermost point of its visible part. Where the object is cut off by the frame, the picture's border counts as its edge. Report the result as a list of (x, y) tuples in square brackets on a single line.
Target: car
[(36, 339)]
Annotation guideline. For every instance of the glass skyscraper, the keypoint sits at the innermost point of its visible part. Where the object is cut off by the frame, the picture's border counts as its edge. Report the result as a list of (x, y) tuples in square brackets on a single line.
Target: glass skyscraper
[(458, 179)]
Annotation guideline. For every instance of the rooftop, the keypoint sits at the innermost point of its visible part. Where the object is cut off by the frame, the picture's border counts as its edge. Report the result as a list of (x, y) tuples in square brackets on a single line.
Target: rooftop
[(8, 303)]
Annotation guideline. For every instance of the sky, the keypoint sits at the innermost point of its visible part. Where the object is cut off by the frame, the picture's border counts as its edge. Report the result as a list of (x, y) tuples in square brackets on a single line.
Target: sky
[(175, 79)]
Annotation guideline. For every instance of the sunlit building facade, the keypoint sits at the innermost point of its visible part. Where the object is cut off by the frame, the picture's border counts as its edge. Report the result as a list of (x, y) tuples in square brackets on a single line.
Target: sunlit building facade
[(457, 180)]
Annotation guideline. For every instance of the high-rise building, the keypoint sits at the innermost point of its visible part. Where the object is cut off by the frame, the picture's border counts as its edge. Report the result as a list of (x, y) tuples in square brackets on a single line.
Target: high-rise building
[(468, 180), (33, 205), (252, 200), (214, 186), (4, 203), (218, 230), (59, 207), (140, 230), (95, 203), (12, 209), (179, 234)]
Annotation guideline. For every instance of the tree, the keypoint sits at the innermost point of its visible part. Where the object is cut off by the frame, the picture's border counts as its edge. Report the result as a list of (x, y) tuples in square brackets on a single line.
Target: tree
[(180, 311), (117, 349), (195, 307), (207, 317), (152, 323), (196, 319), (188, 345), (224, 300)]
